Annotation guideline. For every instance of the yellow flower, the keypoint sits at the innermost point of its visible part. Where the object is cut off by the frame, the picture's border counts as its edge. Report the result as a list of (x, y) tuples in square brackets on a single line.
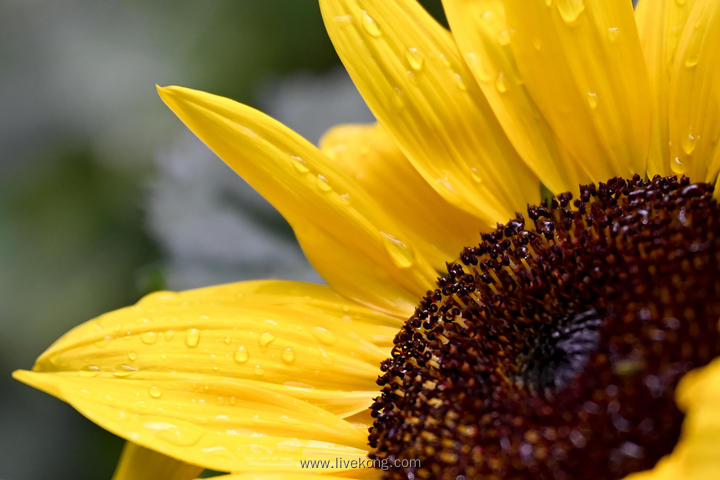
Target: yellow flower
[(257, 378)]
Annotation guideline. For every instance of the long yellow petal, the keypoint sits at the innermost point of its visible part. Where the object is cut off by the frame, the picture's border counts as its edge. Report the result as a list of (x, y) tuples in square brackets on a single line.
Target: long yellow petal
[(483, 35), (695, 96), (696, 455), (660, 24), (583, 65), (348, 236), (139, 463), (413, 78), (370, 475), (234, 378), (438, 229)]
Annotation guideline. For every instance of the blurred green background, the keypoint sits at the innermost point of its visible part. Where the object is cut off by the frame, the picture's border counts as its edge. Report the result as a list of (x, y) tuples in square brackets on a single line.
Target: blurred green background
[(105, 197)]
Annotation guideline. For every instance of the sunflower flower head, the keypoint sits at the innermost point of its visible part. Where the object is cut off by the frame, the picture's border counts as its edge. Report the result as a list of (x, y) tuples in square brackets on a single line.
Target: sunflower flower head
[(470, 328)]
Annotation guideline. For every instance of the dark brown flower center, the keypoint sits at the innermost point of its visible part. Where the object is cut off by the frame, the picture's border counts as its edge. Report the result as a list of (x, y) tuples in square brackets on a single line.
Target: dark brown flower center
[(553, 349)]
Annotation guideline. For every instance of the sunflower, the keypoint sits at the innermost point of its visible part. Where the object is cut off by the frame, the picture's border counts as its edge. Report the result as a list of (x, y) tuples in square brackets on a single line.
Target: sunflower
[(574, 341)]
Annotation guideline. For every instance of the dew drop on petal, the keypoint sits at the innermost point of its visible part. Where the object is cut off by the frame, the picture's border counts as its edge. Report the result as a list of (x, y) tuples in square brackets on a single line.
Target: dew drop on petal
[(288, 356), (323, 184), (241, 355), (124, 370), (415, 58), (91, 371), (266, 339), (324, 335), (401, 254), (459, 82), (691, 61), (398, 98), (592, 100), (259, 370), (181, 436), (475, 175), (570, 10), (227, 340), (155, 391), (148, 338), (613, 33), (688, 144), (299, 164), (677, 166), (501, 83), (192, 337), (370, 25), (132, 356)]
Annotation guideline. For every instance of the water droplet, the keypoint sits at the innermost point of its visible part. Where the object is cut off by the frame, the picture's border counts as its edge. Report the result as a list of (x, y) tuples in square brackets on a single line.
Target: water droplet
[(181, 436), (324, 335), (104, 341), (227, 340), (460, 82), (148, 338), (500, 83), (402, 255), (677, 166), (688, 144), (475, 175), (124, 370), (691, 61), (548, 3), (168, 335), (503, 37), (155, 392), (415, 58), (443, 58), (479, 68), (132, 356), (323, 184), (241, 354), (370, 25), (613, 33), (592, 100), (299, 164), (192, 337), (258, 370), (91, 371), (288, 356), (537, 44), (399, 98), (344, 199), (266, 339), (570, 10)]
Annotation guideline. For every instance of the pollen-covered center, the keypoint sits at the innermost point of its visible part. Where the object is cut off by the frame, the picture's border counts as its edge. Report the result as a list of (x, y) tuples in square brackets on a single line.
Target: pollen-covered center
[(552, 349)]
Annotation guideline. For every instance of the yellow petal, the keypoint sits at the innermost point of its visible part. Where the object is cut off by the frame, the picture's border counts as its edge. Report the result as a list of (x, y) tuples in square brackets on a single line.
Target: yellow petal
[(483, 35), (347, 235), (138, 463), (246, 376), (372, 474), (660, 24), (438, 229), (413, 78), (695, 457), (695, 96), (582, 64)]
